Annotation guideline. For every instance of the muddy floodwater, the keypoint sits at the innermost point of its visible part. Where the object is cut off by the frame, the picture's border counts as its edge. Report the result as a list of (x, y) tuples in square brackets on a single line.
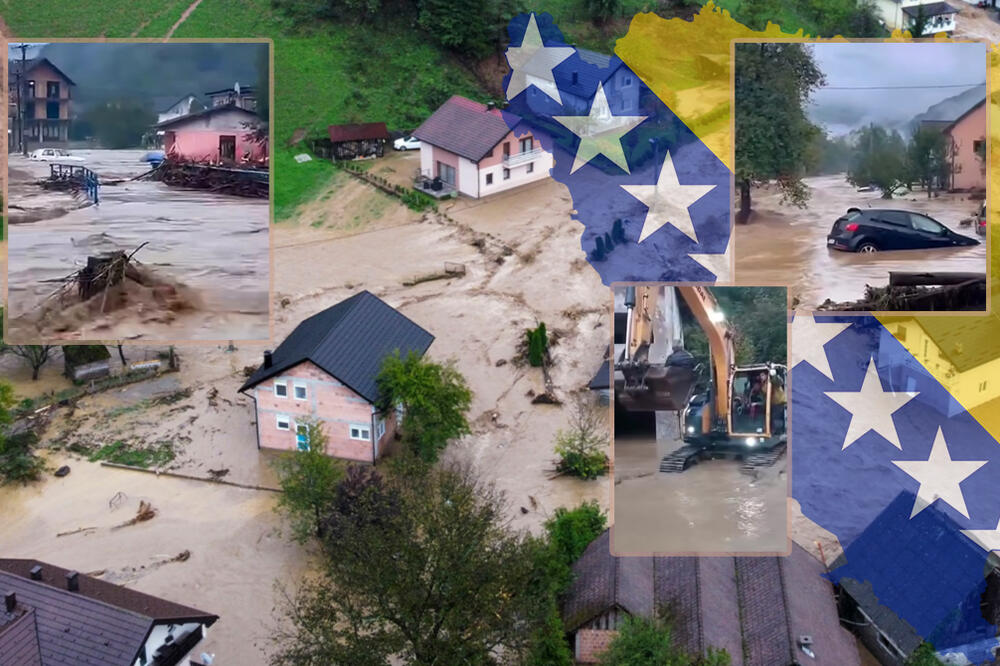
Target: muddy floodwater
[(214, 247), (709, 508), (786, 245)]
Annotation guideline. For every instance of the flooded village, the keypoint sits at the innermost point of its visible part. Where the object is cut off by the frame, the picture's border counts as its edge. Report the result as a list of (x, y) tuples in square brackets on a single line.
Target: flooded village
[(179, 185)]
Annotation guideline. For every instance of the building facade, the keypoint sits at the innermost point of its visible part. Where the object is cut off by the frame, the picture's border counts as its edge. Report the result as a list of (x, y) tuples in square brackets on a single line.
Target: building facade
[(242, 97), (939, 17), (472, 150), (325, 373), (219, 135), (39, 100), (967, 137)]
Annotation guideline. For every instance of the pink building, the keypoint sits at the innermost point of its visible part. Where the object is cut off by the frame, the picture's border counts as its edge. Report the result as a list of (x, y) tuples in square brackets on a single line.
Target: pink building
[(469, 146), (219, 135), (968, 149), (325, 372)]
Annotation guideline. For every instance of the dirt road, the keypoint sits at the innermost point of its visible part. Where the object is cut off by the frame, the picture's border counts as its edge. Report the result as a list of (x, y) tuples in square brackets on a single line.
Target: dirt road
[(783, 244), (213, 246)]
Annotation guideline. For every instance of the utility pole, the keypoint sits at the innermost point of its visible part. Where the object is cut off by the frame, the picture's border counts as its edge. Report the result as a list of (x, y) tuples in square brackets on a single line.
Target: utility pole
[(20, 105)]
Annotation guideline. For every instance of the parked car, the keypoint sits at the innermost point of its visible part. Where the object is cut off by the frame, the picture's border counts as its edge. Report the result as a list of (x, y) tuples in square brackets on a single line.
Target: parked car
[(878, 229), (406, 143), (53, 155)]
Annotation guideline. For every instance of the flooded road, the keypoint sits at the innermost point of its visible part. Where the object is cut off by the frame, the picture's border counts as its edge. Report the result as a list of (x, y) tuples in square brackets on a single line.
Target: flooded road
[(709, 508), (783, 244), (214, 245)]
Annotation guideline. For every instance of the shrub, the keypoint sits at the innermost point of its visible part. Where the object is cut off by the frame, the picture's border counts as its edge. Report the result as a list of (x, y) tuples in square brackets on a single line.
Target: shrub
[(538, 345), (18, 463), (581, 448)]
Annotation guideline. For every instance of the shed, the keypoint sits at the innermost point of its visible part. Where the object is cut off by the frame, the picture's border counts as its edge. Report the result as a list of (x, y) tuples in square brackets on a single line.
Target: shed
[(348, 142), (82, 362)]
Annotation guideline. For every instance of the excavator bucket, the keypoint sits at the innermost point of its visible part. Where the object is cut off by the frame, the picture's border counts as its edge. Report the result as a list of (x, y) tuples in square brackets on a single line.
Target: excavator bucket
[(659, 388)]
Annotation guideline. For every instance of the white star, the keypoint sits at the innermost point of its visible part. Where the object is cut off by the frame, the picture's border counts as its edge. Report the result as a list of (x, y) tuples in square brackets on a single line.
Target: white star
[(532, 63), (600, 132), (668, 201), (871, 408), (809, 338), (988, 540), (718, 262), (939, 477)]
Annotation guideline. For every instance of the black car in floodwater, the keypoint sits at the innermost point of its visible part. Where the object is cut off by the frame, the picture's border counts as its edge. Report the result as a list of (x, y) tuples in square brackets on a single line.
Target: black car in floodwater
[(878, 229)]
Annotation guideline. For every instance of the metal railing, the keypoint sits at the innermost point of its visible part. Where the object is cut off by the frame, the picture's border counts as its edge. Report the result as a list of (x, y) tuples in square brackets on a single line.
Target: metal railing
[(83, 177), (522, 158)]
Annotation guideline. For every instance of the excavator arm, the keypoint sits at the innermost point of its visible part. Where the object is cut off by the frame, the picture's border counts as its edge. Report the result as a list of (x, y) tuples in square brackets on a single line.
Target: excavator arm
[(706, 312)]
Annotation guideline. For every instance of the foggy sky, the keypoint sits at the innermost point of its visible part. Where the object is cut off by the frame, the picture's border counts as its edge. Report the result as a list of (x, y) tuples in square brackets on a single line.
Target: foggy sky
[(864, 64)]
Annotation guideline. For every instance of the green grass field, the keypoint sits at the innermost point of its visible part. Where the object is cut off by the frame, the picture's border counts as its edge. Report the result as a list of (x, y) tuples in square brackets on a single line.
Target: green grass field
[(106, 18)]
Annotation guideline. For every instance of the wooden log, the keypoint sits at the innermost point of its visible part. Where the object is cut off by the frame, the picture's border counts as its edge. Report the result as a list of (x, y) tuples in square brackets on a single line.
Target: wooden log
[(907, 279)]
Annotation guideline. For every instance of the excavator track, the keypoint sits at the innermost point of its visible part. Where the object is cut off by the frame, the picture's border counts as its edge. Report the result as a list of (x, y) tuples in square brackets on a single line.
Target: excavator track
[(765, 459), (680, 460)]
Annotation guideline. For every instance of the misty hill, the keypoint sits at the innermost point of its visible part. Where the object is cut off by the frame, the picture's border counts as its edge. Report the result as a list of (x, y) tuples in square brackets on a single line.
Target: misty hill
[(948, 110), (153, 72)]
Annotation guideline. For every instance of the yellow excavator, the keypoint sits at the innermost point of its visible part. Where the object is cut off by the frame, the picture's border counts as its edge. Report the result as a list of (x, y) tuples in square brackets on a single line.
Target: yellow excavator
[(737, 411)]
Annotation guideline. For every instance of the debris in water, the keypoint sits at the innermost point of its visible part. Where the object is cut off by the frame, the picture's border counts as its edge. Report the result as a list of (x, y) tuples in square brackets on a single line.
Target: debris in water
[(62, 471), (144, 513), (303, 157), (76, 531), (217, 474), (239, 182), (920, 292)]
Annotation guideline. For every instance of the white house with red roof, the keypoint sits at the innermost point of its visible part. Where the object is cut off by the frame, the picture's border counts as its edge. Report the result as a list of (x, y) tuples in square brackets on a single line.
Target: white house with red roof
[(471, 148)]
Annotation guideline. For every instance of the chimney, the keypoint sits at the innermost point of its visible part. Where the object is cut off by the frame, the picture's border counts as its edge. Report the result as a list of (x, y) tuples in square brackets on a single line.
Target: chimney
[(73, 581), (267, 358), (36, 572), (576, 78), (10, 602), (491, 106)]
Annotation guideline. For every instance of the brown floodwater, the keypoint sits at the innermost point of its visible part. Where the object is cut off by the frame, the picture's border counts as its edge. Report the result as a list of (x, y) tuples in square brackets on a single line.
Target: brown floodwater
[(786, 245), (711, 507), (215, 246)]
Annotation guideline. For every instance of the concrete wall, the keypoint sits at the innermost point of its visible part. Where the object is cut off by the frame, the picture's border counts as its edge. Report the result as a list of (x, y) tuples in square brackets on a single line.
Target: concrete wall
[(327, 401), (493, 165), (969, 172), (41, 75)]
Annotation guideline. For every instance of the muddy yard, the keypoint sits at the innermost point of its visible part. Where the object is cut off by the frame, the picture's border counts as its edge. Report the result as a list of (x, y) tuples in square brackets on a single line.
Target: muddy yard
[(211, 249), (783, 244)]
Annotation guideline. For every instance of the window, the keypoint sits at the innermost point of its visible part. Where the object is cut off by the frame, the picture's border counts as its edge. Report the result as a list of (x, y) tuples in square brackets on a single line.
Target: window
[(506, 174), (52, 110), (489, 179), (281, 389), (302, 437), (527, 144), (925, 348), (895, 217), (982, 386), (379, 429), (52, 89), (627, 82), (979, 146), (925, 224), (446, 173), (506, 149), (31, 88), (300, 391), (361, 432), (29, 110), (284, 423), (531, 167)]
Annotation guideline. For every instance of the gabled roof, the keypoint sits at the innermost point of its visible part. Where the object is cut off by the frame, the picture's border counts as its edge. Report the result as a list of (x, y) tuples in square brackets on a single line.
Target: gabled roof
[(101, 624), (205, 114), (464, 127), (244, 90), (966, 342), (348, 341), (14, 66), (931, 9), (164, 104), (590, 68), (358, 132), (968, 111), (753, 607)]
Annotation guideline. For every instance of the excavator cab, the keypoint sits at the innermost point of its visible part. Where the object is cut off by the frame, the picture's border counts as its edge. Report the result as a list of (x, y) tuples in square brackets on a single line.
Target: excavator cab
[(757, 401)]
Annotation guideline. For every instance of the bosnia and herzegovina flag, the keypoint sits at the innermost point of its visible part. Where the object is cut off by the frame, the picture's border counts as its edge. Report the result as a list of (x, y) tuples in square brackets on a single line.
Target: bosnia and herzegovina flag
[(883, 454), (653, 199)]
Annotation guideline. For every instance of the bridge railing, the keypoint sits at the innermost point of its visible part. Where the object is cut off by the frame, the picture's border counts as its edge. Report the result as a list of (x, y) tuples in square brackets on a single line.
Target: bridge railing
[(86, 179)]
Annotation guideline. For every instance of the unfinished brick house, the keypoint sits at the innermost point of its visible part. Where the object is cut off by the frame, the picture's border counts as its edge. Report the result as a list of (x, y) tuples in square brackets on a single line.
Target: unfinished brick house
[(325, 371), (764, 611)]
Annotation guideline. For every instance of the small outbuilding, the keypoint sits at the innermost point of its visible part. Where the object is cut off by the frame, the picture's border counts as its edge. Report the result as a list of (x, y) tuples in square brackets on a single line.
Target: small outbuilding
[(325, 372), (83, 362), (348, 142)]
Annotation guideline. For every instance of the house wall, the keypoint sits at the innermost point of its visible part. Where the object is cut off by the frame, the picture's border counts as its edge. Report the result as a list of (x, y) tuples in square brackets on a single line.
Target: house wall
[(160, 632), (493, 164), (41, 75), (463, 183), (969, 171), (891, 12), (589, 643), (328, 401), (200, 143)]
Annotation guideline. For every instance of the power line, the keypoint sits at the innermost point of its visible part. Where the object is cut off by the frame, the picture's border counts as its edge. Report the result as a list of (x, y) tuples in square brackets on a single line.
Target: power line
[(949, 85)]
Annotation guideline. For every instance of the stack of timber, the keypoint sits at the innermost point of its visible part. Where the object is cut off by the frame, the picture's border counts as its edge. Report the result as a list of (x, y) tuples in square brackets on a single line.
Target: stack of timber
[(908, 291), (226, 180)]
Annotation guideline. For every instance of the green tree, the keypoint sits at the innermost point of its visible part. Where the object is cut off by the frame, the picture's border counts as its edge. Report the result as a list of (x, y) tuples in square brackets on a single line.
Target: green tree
[(924, 655), (471, 28), (17, 461), (773, 82), (434, 398), (119, 123), (582, 449), (918, 25), (928, 157), (425, 571), (538, 344), (644, 642), (308, 480), (570, 531), (601, 11), (34, 355), (880, 160)]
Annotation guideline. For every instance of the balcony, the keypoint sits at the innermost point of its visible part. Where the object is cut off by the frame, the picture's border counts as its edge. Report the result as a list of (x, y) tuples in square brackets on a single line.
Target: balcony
[(522, 158)]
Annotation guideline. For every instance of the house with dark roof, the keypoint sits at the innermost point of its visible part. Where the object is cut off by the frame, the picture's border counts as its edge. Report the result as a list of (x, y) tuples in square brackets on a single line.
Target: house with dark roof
[(348, 142), (962, 354), (168, 108), (580, 74), (217, 135), (471, 149), (242, 97), (764, 611), (52, 616), (938, 17), (45, 94), (325, 371), (962, 119)]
